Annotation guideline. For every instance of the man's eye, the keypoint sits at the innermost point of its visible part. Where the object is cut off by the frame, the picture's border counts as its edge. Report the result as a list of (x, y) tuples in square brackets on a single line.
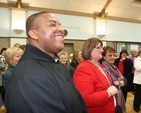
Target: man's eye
[(52, 24)]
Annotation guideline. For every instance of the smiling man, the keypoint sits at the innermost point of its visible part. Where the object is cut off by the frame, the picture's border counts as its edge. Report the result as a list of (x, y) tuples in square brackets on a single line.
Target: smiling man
[(39, 83)]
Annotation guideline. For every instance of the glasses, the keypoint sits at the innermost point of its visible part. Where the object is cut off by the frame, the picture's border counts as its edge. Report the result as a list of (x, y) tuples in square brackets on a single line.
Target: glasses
[(97, 47)]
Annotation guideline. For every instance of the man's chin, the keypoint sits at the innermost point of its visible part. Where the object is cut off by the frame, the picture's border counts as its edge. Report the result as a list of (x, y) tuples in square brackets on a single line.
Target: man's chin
[(60, 49)]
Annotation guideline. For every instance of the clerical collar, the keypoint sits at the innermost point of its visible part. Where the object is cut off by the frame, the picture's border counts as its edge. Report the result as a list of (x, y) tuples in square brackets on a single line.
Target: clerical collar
[(56, 59)]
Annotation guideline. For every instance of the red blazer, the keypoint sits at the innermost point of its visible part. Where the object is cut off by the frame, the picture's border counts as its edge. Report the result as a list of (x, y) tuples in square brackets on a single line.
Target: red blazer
[(92, 85)]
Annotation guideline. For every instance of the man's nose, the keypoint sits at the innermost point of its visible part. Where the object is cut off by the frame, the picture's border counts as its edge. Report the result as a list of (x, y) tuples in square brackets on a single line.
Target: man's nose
[(61, 29)]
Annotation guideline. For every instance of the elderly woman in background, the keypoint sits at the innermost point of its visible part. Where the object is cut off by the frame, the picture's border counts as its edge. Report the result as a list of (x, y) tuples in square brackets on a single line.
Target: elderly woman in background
[(12, 56), (137, 82), (93, 83), (133, 56), (77, 58), (63, 58), (109, 55)]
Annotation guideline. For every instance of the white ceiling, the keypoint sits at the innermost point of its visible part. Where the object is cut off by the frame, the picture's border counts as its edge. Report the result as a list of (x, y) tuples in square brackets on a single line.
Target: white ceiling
[(117, 8)]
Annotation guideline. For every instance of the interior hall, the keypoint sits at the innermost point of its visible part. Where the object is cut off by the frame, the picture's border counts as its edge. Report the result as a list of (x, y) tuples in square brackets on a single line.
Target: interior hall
[(117, 23)]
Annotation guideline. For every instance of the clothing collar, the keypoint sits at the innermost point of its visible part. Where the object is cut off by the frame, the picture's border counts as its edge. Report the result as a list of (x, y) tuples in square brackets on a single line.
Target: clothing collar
[(32, 52), (11, 66), (56, 58)]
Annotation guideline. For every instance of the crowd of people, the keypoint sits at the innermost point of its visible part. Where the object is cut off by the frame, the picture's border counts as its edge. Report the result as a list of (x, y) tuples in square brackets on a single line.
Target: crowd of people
[(41, 78)]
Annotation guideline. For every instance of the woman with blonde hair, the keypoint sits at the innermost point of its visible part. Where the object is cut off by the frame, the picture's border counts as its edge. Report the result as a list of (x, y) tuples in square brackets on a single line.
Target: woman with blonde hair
[(12, 56)]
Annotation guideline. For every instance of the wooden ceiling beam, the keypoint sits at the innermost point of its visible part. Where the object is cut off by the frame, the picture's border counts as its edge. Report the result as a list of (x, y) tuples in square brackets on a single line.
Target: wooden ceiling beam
[(13, 6), (102, 13), (19, 3), (7, 5)]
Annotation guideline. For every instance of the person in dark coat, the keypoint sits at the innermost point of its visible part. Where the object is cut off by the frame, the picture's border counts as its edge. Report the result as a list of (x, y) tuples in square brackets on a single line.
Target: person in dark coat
[(125, 65), (39, 83)]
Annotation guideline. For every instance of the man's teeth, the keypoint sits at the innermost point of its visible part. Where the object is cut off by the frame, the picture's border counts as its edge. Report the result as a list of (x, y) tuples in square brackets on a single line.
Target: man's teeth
[(59, 37)]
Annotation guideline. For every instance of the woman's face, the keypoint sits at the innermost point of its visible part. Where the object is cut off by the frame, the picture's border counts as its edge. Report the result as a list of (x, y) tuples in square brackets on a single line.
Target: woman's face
[(15, 59), (123, 56), (63, 59), (96, 53), (80, 56), (110, 57), (134, 53)]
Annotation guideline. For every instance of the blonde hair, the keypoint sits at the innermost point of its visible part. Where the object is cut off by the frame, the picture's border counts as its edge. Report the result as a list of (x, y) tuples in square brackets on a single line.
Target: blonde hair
[(17, 45), (132, 50), (10, 52), (62, 53)]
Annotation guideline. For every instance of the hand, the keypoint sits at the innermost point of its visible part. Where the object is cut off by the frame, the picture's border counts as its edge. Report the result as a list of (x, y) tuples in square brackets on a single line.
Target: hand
[(116, 82), (121, 83), (112, 90)]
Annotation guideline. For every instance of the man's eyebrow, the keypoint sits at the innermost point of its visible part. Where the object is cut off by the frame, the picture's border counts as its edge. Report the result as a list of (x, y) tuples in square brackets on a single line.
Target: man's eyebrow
[(54, 21)]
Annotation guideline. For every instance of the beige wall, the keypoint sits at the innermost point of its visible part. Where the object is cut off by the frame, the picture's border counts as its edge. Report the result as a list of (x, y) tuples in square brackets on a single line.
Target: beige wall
[(112, 44), (4, 42), (70, 45)]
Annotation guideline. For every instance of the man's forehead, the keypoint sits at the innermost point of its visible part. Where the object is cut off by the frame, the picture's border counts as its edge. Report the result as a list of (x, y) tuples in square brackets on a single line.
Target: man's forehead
[(52, 18)]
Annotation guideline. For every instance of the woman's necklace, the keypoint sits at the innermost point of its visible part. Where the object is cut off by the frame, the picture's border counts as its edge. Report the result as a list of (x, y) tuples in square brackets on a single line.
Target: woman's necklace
[(101, 70), (97, 66)]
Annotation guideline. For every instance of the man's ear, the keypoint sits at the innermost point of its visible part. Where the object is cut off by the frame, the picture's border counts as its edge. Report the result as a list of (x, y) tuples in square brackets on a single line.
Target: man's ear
[(33, 34)]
